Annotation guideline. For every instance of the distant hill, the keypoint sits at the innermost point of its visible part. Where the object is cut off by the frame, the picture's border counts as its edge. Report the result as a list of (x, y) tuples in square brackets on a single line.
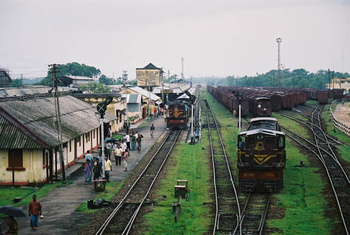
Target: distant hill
[(31, 81)]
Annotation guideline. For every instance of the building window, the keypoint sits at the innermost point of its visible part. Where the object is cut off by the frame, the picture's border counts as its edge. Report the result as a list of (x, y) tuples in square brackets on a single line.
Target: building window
[(70, 146), (87, 137), (78, 141), (46, 156), (15, 159)]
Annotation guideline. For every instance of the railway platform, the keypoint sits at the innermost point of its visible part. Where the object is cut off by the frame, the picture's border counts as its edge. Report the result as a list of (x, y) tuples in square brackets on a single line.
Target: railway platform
[(60, 204), (342, 112)]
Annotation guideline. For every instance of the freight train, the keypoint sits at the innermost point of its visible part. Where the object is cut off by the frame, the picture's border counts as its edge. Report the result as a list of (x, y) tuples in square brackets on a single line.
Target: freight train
[(179, 110), (261, 156), (261, 101)]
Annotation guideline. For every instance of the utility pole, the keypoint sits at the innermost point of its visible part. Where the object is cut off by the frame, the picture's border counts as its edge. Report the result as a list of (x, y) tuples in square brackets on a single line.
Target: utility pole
[(182, 70), (125, 79), (162, 76), (279, 40), (54, 70)]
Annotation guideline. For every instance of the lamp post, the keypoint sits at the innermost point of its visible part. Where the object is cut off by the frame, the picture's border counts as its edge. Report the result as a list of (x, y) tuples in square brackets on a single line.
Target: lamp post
[(239, 98), (279, 40)]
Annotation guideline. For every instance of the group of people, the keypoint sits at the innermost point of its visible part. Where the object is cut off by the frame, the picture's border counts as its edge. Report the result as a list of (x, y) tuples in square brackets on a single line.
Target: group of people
[(95, 166), (135, 141), (120, 150)]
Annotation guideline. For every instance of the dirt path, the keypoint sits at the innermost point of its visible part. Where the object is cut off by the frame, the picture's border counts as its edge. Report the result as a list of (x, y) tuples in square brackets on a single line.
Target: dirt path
[(342, 113)]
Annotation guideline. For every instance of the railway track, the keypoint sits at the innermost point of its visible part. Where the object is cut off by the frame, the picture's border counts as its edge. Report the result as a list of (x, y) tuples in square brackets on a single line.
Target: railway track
[(291, 115), (229, 217), (121, 220), (338, 179), (227, 207), (254, 213)]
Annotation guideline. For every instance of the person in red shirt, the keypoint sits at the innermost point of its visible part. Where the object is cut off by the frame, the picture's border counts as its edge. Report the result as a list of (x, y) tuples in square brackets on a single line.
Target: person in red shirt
[(34, 212)]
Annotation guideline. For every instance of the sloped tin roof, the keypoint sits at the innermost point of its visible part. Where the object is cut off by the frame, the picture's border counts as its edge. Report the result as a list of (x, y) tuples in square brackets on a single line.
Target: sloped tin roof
[(35, 119)]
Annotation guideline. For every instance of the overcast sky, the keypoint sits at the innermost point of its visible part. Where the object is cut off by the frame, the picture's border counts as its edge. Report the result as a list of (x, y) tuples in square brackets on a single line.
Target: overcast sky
[(215, 37)]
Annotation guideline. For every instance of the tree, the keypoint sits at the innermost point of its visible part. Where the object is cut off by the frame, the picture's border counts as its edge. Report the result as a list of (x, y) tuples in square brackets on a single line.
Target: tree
[(16, 83), (71, 69), (96, 88), (105, 80)]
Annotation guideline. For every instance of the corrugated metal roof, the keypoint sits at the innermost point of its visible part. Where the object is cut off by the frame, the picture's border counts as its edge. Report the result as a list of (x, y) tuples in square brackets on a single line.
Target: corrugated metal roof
[(38, 116), (145, 93), (79, 78), (27, 90), (13, 137)]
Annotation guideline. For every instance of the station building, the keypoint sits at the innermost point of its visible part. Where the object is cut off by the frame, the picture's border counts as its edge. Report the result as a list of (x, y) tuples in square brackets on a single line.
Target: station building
[(149, 76), (29, 144)]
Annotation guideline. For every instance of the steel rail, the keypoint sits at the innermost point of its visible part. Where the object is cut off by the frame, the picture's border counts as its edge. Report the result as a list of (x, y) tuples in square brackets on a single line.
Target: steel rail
[(316, 117), (101, 230), (129, 225), (217, 214)]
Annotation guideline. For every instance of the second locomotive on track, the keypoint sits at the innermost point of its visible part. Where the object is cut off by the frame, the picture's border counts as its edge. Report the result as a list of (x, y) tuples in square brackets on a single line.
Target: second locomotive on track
[(179, 110), (261, 156)]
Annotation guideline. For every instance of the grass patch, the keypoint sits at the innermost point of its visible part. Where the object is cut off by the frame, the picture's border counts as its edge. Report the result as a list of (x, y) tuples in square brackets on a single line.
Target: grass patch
[(190, 163), (302, 198), (26, 193)]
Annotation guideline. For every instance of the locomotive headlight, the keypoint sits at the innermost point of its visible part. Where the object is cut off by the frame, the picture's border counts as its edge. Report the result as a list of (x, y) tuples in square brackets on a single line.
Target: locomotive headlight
[(260, 137)]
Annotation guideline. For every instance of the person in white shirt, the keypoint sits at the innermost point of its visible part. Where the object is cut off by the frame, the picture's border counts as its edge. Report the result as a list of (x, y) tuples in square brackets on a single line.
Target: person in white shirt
[(123, 146), (127, 139)]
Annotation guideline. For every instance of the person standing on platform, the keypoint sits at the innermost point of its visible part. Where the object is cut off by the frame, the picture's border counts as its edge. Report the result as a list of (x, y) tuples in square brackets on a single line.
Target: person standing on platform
[(125, 158), (34, 212), (109, 147), (127, 140), (87, 171), (88, 156), (138, 140), (118, 155), (97, 169), (108, 168), (123, 146), (133, 142)]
